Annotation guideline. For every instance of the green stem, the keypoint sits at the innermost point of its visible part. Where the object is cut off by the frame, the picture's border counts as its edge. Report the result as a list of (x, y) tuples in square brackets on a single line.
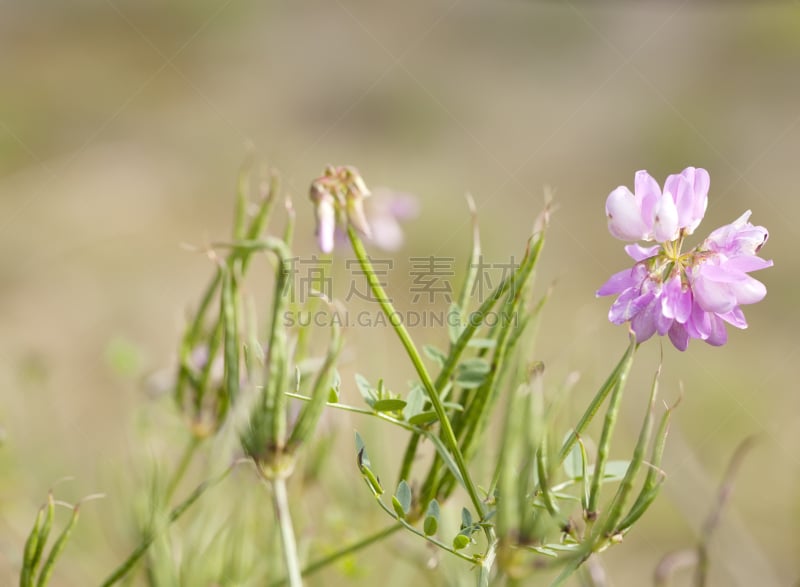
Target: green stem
[(448, 435), (183, 465), (623, 366), (176, 513), (320, 564), (280, 501)]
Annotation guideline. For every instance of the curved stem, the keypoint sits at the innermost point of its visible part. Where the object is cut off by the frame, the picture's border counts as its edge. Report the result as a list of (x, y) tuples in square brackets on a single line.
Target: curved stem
[(447, 430), (281, 502)]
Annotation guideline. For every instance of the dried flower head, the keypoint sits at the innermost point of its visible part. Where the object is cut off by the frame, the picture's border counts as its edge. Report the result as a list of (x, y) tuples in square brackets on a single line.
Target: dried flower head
[(338, 198)]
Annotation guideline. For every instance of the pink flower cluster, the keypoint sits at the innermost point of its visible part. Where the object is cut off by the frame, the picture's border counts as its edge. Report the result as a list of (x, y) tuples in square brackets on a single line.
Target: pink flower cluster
[(682, 294)]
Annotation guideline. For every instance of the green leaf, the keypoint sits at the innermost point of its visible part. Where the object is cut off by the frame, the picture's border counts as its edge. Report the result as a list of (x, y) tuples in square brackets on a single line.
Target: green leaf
[(365, 389), (415, 401), (435, 354), (466, 518), (388, 405), (460, 541), (364, 466), (403, 496), (431, 523), (333, 395), (361, 451), (398, 508), (482, 343), (423, 418), (472, 373)]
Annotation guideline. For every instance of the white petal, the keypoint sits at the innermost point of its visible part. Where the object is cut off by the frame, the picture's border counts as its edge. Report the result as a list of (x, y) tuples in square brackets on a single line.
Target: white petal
[(625, 216), (665, 221)]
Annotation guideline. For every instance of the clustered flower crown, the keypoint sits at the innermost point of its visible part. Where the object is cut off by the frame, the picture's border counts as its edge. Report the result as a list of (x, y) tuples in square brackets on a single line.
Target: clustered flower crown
[(685, 295)]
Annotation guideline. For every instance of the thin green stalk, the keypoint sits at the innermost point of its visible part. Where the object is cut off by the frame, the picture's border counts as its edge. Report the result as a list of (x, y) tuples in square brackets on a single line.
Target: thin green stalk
[(280, 501), (325, 561), (608, 525), (128, 564), (183, 465), (58, 546), (32, 546), (623, 366), (185, 370), (449, 437), (655, 476), (544, 482), (474, 260), (44, 534), (604, 447)]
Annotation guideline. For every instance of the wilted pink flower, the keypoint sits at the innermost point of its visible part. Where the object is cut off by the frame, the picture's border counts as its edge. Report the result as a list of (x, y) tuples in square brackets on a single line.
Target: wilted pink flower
[(338, 198), (685, 295)]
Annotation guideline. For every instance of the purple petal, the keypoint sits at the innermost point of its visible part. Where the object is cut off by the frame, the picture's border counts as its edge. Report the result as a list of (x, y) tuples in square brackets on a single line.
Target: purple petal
[(711, 295), (679, 336), (738, 238), (718, 335), (663, 323), (747, 263), (735, 318), (699, 324), (677, 300), (627, 305), (618, 283), (647, 194), (644, 324), (639, 253), (721, 273), (690, 190)]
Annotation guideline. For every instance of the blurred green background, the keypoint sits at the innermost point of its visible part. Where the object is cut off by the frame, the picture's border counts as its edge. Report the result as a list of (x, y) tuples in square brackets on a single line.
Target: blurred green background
[(122, 125)]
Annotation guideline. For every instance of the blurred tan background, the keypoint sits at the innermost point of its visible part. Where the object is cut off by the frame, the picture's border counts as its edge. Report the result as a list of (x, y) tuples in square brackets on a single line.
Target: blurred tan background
[(122, 125)]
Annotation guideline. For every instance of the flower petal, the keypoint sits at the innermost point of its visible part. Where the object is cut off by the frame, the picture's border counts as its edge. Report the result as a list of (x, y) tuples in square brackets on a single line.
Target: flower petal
[(748, 291), (718, 335), (618, 283), (625, 216), (690, 190), (711, 295), (644, 324), (647, 194), (628, 305), (665, 219), (735, 318), (679, 336), (639, 253), (677, 300)]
